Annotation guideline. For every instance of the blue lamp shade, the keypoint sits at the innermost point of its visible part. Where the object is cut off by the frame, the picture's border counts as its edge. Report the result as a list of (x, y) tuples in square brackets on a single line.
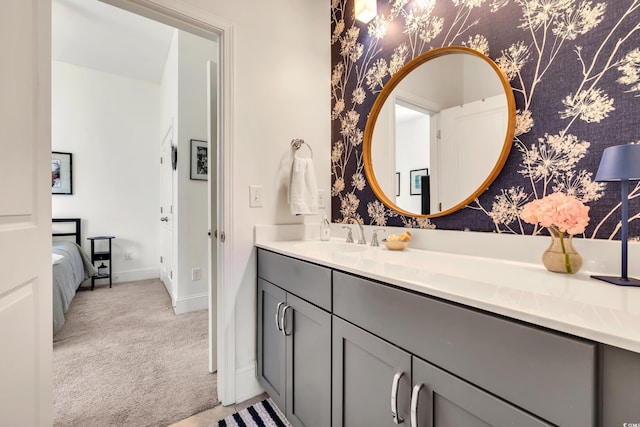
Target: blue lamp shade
[(621, 163), (618, 163)]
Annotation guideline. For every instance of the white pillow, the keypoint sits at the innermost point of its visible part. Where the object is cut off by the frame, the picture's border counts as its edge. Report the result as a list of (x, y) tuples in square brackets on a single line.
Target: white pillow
[(56, 258)]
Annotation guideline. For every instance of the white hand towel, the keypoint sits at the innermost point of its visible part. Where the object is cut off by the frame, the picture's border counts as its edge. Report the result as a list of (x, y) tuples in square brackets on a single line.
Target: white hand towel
[(303, 189)]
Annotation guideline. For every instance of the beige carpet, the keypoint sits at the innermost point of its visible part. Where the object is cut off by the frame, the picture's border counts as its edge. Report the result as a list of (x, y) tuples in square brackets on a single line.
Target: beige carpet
[(124, 359)]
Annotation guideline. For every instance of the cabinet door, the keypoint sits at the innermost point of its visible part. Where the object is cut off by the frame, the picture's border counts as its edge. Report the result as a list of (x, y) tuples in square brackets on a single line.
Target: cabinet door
[(447, 401), (308, 364), (271, 343), (620, 382), (364, 368)]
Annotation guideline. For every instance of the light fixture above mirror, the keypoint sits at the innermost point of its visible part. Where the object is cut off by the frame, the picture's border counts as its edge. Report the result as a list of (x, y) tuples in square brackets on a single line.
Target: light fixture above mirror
[(366, 10), (439, 133)]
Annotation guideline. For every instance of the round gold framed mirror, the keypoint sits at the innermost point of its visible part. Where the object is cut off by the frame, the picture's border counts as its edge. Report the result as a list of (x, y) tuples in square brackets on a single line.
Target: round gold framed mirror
[(439, 133)]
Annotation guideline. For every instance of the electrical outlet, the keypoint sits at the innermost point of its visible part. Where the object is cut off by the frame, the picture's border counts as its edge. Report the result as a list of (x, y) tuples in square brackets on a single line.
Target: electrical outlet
[(255, 194), (322, 199), (195, 274), (128, 256)]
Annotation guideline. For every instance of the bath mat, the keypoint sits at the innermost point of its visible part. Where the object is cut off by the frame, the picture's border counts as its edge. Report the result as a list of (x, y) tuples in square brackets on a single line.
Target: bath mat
[(261, 414)]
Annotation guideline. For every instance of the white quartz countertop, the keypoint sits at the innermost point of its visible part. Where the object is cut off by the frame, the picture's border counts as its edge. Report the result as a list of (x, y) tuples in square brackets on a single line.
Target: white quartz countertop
[(575, 304)]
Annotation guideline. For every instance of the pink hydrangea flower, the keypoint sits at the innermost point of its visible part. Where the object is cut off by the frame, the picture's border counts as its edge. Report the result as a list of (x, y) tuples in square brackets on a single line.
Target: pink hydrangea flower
[(566, 213)]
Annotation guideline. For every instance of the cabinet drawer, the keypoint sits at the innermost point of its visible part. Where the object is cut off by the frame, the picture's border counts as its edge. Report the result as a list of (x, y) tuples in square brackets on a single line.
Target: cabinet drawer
[(308, 281), (548, 374)]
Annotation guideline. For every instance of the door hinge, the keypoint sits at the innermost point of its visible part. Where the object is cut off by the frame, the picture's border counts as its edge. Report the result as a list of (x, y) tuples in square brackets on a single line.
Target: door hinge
[(161, 261), (439, 134), (171, 274), (161, 209), (161, 162)]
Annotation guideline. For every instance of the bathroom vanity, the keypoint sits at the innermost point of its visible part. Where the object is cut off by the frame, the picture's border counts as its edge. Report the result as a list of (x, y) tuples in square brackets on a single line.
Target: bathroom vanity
[(350, 335)]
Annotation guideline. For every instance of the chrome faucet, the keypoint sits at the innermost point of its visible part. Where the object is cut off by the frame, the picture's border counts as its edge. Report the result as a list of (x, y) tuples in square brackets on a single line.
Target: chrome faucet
[(374, 237), (349, 234), (361, 239)]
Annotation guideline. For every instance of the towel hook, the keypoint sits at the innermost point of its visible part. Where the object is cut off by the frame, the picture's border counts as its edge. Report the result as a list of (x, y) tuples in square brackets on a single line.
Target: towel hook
[(297, 143)]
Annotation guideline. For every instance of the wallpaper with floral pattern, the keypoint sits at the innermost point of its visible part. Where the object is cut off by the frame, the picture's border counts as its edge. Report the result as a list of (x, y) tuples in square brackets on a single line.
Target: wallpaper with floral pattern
[(573, 65)]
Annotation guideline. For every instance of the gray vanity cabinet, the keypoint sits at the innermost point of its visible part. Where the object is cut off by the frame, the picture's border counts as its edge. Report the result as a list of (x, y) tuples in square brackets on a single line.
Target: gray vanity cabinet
[(271, 342), (547, 374), (364, 371), (439, 399), (335, 349), (373, 380), (620, 373), (294, 339)]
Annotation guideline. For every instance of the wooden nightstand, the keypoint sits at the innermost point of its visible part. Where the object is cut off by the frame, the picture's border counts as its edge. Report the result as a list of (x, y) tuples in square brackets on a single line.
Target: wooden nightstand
[(104, 271)]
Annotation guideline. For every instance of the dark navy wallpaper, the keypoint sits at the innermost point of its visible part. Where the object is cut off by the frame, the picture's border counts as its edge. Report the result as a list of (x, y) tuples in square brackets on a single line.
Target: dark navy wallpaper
[(573, 65)]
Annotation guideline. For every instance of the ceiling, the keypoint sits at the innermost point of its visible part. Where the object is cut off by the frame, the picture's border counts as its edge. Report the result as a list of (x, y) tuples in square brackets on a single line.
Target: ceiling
[(92, 34), (405, 114)]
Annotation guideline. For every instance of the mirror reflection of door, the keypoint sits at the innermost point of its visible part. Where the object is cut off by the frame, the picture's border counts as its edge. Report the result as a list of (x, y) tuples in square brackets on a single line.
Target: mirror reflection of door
[(413, 153), (471, 135)]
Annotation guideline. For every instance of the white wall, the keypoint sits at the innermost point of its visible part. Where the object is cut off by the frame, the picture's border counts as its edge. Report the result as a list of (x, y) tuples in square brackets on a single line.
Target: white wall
[(168, 127), (184, 109), (281, 90), (109, 123), (192, 196)]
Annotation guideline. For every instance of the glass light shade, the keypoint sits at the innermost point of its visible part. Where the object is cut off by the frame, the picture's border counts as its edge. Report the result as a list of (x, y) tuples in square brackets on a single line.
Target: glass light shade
[(366, 10), (619, 163)]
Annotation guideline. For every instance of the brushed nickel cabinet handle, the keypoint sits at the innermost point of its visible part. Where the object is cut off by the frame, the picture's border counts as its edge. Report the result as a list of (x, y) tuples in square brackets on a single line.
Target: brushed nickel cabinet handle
[(283, 320), (278, 316), (415, 395), (394, 398)]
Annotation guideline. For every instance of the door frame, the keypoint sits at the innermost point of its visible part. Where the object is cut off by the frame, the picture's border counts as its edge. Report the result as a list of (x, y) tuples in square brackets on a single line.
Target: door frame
[(207, 25)]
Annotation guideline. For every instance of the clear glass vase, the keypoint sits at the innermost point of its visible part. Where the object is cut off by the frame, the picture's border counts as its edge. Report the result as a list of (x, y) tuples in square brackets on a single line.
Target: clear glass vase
[(561, 256)]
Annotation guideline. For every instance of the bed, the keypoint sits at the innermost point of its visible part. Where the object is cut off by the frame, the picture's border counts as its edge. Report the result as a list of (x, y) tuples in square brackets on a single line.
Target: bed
[(71, 266)]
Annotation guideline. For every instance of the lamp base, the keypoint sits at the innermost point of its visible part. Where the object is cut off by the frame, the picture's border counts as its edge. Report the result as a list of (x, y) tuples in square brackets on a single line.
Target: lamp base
[(618, 280)]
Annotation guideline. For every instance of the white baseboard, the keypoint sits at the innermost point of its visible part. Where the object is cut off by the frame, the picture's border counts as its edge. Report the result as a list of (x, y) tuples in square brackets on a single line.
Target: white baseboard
[(247, 385), (133, 275), (191, 303)]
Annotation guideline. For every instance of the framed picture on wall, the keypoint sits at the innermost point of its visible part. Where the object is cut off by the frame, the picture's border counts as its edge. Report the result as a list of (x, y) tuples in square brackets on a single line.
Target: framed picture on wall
[(61, 173), (199, 160), (415, 182), (397, 184)]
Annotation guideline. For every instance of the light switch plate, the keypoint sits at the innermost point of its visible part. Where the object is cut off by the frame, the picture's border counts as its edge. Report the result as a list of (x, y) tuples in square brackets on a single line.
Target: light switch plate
[(255, 196), (322, 199)]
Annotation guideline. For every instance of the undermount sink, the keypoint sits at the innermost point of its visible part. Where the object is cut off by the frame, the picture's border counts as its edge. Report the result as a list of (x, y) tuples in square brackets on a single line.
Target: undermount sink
[(331, 246)]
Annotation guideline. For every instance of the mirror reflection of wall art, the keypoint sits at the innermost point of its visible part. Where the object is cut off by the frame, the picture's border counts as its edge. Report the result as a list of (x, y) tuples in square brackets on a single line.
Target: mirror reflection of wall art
[(397, 184), (415, 181), (61, 177), (199, 160)]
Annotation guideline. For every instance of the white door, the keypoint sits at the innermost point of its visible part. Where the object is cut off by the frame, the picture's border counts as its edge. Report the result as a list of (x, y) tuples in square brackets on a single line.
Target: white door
[(472, 138), (166, 212), (25, 214), (212, 164)]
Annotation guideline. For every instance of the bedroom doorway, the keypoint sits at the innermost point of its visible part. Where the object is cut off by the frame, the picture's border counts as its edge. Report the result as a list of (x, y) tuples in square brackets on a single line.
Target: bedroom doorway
[(215, 205)]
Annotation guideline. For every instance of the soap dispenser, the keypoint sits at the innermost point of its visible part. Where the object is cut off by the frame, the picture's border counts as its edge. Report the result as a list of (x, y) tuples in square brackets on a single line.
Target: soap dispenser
[(325, 228)]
